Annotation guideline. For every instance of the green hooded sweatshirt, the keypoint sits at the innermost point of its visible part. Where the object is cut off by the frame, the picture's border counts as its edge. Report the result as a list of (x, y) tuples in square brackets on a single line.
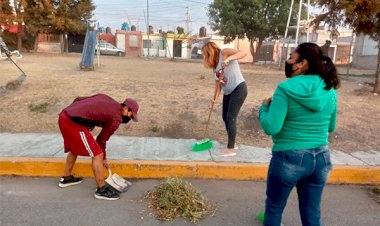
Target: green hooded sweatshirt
[(301, 114)]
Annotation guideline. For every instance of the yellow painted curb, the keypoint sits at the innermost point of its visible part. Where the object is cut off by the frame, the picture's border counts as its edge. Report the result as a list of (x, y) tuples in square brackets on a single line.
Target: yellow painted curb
[(53, 167)]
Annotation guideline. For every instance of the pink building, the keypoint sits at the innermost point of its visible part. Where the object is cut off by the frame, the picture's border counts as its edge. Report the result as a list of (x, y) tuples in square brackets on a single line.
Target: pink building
[(130, 41)]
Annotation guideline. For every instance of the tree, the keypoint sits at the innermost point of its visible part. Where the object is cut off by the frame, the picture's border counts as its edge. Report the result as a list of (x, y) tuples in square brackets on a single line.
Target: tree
[(52, 16), (71, 16), (6, 15), (180, 30), (151, 30), (38, 17), (363, 16), (125, 26), (19, 10), (253, 19)]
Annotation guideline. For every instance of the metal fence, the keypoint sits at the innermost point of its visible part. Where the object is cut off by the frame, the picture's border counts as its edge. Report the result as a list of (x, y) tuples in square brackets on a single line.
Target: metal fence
[(48, 38)]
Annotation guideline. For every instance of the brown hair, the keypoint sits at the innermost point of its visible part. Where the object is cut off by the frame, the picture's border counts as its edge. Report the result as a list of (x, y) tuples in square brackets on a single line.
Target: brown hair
[(210, 52)]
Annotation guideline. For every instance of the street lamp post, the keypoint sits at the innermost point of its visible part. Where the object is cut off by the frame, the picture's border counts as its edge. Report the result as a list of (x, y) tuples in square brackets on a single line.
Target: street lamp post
[(148, 27)]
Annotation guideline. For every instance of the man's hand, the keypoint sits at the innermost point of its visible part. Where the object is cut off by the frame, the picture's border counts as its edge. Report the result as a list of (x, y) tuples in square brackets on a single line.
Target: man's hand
[(105, 163)]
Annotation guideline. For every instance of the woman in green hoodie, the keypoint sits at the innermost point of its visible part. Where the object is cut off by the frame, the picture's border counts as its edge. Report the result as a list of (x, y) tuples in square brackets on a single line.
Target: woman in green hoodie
[(299, 117)]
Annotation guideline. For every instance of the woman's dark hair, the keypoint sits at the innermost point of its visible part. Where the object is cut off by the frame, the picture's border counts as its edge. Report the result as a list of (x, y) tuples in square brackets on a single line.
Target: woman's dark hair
[(318, 64)]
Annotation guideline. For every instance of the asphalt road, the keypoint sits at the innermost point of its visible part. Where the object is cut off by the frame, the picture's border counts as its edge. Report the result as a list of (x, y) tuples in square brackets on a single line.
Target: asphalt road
[(39, 201)]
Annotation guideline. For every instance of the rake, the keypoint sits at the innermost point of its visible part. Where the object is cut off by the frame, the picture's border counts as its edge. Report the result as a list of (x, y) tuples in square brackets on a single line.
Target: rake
[(12, 85)]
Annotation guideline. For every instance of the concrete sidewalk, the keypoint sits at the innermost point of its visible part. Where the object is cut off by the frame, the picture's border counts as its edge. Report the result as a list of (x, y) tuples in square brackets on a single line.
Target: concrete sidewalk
[(31, 154)]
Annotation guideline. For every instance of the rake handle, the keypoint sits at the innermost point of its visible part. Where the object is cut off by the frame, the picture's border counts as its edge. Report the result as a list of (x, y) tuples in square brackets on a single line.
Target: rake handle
[(16, 65)]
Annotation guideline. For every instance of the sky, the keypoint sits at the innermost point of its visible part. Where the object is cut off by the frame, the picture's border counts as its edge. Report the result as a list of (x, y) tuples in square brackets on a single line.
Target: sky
[(163, 14)]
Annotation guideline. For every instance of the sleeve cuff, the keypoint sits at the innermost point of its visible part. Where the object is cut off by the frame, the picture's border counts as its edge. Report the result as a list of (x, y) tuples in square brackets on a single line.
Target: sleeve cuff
[(263, 108)]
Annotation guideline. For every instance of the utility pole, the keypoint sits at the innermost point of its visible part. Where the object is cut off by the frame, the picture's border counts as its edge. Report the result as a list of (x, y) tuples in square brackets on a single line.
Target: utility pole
[(349, 55), (187, 20), (308, 20), (148, 30)]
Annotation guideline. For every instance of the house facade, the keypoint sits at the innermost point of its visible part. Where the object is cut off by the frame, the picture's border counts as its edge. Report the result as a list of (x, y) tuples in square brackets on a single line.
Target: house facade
[(239, 44), (178, 46), (154, 46), (130, 41), (365, 52)]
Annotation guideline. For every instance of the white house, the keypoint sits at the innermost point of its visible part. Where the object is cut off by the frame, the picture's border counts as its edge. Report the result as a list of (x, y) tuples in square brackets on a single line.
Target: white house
[(366, 51), (155, 45), (178, 46)]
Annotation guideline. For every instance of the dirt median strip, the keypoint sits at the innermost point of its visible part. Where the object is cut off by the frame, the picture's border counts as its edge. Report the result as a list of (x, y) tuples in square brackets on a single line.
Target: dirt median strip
[(175, 98), (140, 169)]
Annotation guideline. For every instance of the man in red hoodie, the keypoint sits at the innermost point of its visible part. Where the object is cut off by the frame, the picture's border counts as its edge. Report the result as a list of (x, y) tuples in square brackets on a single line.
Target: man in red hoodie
[(77, 120)]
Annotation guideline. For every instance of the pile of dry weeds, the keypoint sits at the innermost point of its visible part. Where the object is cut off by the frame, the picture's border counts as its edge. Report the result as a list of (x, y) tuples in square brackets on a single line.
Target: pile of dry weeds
[(176, 197)]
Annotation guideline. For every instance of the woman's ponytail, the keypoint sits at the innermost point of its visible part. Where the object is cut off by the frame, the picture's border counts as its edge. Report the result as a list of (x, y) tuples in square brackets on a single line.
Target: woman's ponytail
[(329, 73), (318, 64)]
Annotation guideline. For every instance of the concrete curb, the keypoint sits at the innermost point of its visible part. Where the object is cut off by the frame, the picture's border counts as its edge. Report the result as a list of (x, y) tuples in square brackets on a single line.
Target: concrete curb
[(53, 167)]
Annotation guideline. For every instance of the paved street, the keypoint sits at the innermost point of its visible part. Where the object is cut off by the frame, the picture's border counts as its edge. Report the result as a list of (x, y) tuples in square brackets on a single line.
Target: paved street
[(39, 201)]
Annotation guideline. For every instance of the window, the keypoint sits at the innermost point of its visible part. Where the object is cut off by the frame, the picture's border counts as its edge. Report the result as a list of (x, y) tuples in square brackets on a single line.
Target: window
[(160, 44), (147, 43)]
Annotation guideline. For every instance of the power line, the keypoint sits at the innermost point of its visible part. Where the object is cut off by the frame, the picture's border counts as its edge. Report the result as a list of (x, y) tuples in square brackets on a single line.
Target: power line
[(161, 12)]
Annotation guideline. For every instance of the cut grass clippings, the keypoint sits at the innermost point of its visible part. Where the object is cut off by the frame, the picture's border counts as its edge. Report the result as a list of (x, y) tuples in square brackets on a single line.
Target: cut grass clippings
[(176, 197), (39, 108)]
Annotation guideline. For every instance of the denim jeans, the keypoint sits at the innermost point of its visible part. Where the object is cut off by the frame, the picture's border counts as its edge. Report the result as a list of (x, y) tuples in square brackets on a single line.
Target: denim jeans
[(307, 170)]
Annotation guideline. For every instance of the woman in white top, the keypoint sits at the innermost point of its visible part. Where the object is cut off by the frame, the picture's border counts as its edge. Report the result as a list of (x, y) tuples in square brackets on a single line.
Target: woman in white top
[(228, 79)]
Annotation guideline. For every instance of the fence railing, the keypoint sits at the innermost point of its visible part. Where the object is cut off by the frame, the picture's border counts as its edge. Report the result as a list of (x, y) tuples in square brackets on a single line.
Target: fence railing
[(48, 38)]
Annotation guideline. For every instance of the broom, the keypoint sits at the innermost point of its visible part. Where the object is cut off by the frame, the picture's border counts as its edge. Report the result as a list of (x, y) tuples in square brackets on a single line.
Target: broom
[(15, 84), (206, 143)]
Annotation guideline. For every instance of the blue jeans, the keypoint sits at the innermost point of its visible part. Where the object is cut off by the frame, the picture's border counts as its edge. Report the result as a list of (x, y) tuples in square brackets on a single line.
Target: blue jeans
[(307, 170)]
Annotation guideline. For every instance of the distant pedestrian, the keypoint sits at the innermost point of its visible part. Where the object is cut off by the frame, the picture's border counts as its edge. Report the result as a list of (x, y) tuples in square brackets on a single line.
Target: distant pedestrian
[(325, 48), (228, 78), (299, 117), (77, 120)]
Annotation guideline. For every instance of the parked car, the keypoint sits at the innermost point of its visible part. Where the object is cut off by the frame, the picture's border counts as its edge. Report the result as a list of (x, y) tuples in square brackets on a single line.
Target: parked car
[(106, 48)]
